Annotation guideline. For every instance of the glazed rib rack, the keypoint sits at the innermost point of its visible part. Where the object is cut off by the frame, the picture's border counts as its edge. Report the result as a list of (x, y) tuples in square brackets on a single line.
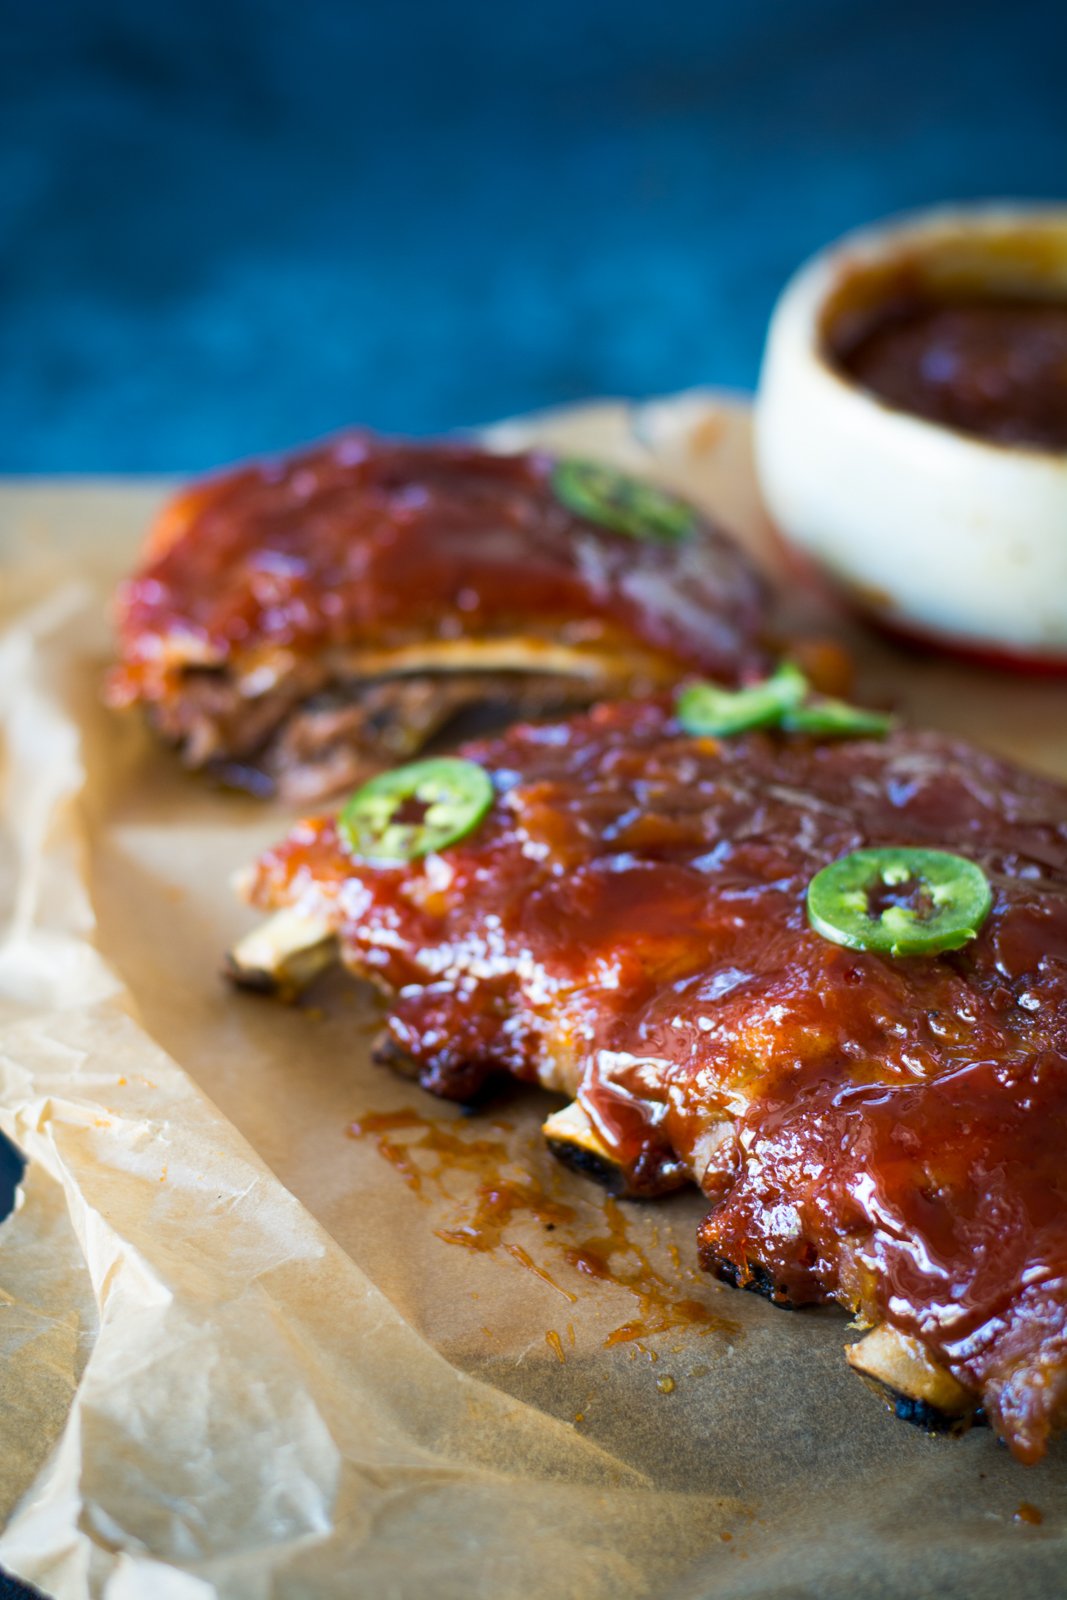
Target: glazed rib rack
[(627, 925), (301, 620)]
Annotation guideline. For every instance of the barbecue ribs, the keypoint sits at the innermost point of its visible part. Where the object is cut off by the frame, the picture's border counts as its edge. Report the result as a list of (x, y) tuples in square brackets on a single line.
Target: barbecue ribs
[(301, 620), (627, 926)]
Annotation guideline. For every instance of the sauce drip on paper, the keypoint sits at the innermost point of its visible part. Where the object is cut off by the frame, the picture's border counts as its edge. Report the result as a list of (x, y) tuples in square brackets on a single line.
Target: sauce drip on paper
[(425, 1153)]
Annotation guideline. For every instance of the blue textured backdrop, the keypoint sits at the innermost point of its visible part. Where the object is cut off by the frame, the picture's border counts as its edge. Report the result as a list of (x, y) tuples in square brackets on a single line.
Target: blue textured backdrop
[(228, 224)]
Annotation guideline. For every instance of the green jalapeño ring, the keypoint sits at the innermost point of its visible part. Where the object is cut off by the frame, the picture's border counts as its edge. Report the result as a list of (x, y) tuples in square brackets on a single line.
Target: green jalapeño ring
[(402, 815), (900, 901)]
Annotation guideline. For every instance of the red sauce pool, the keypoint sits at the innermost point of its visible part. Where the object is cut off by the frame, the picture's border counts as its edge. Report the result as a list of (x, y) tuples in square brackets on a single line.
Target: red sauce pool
[(994, 369)]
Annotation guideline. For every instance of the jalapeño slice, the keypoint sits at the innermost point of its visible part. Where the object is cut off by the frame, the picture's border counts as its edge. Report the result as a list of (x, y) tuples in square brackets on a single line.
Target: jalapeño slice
[(705, 708), (836, 719), (899, 901), (621, 503), (402, 815)]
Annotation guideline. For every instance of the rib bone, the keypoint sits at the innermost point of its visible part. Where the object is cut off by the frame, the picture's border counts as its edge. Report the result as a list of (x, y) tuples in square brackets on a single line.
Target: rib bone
[(916, 1388), (571, 1137), (283, 955)]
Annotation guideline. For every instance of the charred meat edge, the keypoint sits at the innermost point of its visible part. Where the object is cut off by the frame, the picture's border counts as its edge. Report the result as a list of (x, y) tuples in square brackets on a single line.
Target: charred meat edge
[(289, 950)]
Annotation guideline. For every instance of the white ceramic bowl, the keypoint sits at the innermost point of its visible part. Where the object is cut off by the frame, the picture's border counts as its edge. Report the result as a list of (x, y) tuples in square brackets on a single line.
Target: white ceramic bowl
[(933, 532)]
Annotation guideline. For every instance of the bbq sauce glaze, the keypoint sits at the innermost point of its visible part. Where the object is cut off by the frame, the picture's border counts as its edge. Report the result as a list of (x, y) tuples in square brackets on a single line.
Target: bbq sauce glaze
[(377, 543), (994, 369), (887, 1132)]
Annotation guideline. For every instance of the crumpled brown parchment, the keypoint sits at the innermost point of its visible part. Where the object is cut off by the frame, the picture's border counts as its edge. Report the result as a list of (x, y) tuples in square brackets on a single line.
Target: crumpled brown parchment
[(246, 1353)]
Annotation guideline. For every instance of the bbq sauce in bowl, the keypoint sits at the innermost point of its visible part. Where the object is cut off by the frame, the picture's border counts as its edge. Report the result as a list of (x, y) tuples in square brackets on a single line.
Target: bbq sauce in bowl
[(995, 369), (911, 428)]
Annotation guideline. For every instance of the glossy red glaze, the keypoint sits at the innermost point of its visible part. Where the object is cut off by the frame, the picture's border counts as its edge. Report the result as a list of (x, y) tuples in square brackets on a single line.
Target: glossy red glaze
[(366, 541), (631, 917), (996, 369)]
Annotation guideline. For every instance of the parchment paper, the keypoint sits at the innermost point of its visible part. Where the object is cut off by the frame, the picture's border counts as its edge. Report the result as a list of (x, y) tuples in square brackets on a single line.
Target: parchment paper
[(246, 1353)]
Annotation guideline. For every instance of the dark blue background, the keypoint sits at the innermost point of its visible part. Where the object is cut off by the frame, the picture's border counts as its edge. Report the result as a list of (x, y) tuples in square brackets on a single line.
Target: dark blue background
[(229, 224)]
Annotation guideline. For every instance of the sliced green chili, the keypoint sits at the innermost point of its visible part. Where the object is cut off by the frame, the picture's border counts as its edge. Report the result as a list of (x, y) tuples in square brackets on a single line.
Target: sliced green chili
[(409, 812), (780, 701), (624, 504), (706, 709), (900, 901), (836, 719)]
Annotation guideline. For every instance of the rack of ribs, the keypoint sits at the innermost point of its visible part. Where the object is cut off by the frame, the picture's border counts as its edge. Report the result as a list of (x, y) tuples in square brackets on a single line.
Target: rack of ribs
[(301, 620), (626, 925)]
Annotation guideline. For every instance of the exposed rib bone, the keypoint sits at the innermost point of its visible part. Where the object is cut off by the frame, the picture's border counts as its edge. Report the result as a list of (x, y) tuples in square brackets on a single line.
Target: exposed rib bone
[(915, 1387), (283, 955), (521, 653), (571, 1136)]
